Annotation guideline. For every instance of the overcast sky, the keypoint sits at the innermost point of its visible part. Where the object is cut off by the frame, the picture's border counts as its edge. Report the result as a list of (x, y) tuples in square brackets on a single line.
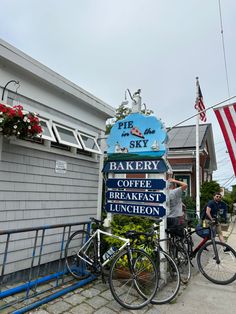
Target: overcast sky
[(160, 46)]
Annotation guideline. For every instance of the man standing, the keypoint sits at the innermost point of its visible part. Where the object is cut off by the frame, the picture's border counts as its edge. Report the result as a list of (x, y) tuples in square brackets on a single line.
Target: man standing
[(175, 216)]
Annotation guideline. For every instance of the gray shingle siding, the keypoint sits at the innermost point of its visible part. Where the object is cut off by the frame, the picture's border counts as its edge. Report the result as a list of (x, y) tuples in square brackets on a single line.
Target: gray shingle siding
[(33, 194)]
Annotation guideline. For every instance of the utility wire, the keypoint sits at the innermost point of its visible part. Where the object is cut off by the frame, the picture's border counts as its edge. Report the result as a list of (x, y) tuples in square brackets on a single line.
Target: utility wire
[(230, 179), (226, 73), (223, 46), (229, 184), (219, 103)]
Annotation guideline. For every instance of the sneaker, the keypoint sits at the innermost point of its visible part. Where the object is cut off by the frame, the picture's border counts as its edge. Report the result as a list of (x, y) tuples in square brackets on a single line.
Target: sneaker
[(226, 250)]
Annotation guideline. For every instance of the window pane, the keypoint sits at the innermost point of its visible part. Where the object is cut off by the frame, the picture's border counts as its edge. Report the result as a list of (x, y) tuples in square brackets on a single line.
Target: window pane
[(89, 142), (45, 128), (67, 135)]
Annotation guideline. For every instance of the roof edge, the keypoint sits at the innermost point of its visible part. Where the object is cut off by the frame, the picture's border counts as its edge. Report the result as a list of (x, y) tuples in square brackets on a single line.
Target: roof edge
[(16, 56)]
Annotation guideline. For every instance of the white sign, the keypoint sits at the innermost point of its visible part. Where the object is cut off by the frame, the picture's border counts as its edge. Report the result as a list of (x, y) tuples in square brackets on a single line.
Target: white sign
[(61, 166)]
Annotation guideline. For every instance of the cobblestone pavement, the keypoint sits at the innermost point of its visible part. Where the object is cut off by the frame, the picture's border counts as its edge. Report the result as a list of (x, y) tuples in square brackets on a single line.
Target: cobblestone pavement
[(95, 297)]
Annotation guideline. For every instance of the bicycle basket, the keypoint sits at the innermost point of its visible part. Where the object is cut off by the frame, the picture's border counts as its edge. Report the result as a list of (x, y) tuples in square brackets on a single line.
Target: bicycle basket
[(202, 232)]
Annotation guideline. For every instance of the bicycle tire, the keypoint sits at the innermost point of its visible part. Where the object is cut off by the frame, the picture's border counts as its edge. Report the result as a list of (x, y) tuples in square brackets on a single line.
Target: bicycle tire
[(188, 242), (133, 281), (180, 255), (168, 279), (77, 267), (222, 273)]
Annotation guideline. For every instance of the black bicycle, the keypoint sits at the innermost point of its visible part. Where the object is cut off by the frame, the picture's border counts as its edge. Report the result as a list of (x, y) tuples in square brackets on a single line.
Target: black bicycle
[(178, 251), (168, 272), (215, 260)]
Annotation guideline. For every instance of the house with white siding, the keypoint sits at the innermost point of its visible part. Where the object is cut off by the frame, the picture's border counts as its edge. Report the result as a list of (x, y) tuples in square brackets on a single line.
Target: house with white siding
[(55, 178)]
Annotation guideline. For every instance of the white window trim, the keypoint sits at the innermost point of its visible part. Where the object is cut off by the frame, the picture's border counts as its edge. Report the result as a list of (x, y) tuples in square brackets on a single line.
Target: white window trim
[(51, 137), (97, 151), (55, 125)]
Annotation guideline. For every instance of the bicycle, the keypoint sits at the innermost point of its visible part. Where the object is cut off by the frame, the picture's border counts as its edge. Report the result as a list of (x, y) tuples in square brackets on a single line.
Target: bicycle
[(178, 251), (168, 272), (133, 275), (215, 260)]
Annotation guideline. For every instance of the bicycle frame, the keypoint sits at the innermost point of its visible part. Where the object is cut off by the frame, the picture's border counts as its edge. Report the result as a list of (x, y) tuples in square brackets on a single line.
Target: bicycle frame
[(194, 251), (97, 235)]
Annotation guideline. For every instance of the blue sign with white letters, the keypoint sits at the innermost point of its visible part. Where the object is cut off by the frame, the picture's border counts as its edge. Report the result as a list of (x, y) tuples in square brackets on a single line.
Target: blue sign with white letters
[(144, 197), (134, 209), (138, 166), (146, 184)]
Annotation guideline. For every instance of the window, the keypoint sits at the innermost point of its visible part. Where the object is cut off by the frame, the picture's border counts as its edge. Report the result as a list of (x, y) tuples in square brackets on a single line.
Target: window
[(66, 136), (47, 130), (186, 179), (90, 143)]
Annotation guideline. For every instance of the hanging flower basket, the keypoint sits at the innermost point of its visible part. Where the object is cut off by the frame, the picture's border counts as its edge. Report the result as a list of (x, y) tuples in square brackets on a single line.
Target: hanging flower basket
[(14, 121)]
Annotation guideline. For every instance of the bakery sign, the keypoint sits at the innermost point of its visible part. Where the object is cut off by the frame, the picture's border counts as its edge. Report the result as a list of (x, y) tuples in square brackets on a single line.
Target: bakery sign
[(135, 166), (137, 136)]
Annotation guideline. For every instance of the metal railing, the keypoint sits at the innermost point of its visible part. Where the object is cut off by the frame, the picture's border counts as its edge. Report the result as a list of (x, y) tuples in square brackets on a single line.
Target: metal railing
[(35, 284)]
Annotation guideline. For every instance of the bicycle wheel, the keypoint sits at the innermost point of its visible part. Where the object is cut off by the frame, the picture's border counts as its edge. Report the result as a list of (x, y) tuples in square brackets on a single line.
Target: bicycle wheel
[(188, 242), (168, 279), (179, 253), (133, 278), (222, 272), (75, 265)]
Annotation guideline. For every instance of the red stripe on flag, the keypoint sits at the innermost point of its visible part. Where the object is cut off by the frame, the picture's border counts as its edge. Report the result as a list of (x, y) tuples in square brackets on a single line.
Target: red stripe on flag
[(230, 119), (228, 139)]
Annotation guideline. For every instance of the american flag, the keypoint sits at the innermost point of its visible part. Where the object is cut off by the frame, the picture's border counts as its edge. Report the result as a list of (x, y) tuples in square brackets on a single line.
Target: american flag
[(226, 117), (199, 105)]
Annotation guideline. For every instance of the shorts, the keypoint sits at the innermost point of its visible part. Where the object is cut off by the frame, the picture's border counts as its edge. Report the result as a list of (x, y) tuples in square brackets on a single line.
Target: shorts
[(218, 227)]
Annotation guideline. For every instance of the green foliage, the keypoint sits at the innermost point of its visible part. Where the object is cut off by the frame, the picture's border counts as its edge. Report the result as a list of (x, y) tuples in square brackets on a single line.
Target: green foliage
[(123, 223), (207, 191), (189, 202), (229, 200), (190, 213), (233, 194)]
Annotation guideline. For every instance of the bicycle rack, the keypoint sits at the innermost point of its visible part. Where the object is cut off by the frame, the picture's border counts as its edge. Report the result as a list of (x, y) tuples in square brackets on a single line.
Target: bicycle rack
[(33, 287)]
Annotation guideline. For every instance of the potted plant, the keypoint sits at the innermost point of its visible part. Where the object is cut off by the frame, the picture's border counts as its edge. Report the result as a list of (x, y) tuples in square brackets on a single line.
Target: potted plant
[(14, 121)]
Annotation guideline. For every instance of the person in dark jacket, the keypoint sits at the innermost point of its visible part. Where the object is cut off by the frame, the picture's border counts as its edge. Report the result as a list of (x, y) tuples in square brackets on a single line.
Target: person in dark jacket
[(213, 212)]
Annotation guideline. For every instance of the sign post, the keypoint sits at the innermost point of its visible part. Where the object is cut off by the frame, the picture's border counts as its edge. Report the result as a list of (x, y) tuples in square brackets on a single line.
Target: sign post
[(136, 166)]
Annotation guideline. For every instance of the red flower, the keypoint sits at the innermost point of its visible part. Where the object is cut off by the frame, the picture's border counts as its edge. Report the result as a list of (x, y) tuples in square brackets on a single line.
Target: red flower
[(13, 121)]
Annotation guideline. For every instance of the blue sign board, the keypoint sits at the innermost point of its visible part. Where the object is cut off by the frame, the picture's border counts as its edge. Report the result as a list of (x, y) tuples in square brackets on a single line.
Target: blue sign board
[(145, 197), (136, 136), (146, 184), (134, 209), (136, 166)]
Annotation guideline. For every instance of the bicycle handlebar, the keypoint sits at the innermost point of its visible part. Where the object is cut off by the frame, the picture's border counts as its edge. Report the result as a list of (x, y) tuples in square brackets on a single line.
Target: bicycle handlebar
[(133, 234)]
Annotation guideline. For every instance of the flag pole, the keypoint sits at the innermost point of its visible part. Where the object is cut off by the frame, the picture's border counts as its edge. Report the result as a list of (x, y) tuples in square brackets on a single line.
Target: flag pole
[(197, 155)]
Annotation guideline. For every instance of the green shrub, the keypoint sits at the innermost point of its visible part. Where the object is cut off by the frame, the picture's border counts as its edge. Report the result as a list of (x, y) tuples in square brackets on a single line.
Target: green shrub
[(123, 223)]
